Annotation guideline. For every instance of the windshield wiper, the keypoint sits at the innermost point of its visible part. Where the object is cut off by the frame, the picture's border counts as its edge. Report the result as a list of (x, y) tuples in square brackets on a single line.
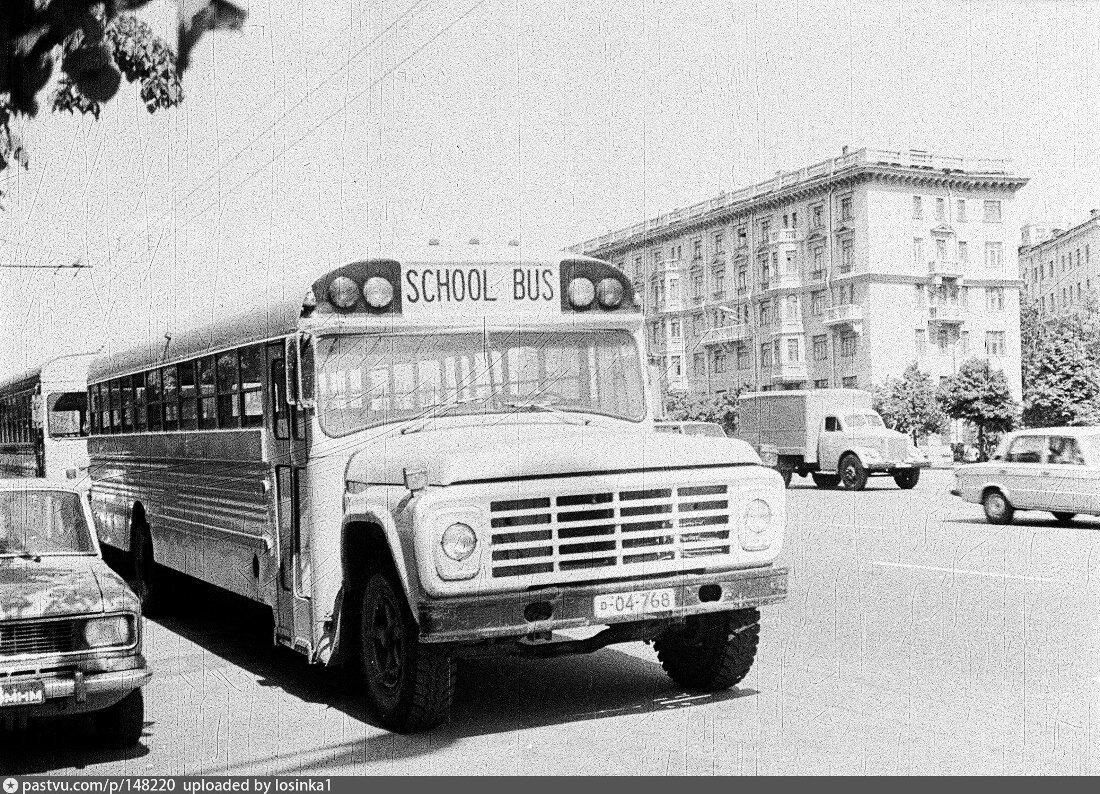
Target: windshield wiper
[(418, 423), (549, 407)]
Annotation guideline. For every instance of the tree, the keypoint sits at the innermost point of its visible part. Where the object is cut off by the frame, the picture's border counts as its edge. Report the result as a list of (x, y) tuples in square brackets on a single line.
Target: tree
[(979, 394), (97, 43), (909, 404), (1061, 367), (718, 408)]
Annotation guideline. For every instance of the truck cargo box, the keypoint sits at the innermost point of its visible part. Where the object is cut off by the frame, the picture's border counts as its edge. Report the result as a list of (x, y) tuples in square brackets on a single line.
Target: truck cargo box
[(792, 420)]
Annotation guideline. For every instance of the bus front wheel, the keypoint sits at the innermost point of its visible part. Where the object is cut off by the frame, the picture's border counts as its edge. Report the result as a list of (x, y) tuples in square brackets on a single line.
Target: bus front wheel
[(145, 580), (409, 686)]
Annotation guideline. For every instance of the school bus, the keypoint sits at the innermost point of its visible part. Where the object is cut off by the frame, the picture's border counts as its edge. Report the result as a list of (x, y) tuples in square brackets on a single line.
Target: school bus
[(43, 420), (439, 453)]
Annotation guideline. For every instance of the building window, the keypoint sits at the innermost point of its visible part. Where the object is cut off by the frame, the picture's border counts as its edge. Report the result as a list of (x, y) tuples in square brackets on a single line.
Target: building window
[(821, 384), (765, 274), (995, 299), (848, 345), (817, 216), (719, 246), (965, 342), (697, 283), (850, 382), (698, 323), (674, 329), (991, 212), (719, 362), (791, 266), (742, 236), (765, 317), (943, 340), (765, 228), (765, 355), (964, 251), (821, 348), (699, 364), (846, 208), (846, 256), (941, 209), (719, 281), (960, 210), (918, 251), (657, 256), (794, 353), (1078, 254), (676, 369), (742, 281), (919, 341), (845, 295), (995, 343), (994, 256), (638, 274), (744, 359), (817, 303), (818, 272), (941, 248), (918, 210)]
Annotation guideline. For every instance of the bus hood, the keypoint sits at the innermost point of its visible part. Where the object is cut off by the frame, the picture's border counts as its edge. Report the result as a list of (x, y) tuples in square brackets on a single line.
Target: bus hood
[(58, 586), (511, 451)]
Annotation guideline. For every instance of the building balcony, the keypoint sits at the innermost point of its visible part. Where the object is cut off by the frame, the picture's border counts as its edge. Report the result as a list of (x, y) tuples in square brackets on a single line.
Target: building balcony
[(787, 327), (946, 314), (847, 315), (726, 333), (789, 372), (786, 281), (945, 268), (784, 237)]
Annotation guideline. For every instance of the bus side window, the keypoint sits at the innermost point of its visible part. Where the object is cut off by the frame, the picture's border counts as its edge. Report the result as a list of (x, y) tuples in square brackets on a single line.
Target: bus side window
[(154, 410), (208, 413), (252, 383), (137, 382), (170, 395), (189, 396), (228, 385), (280, 411)]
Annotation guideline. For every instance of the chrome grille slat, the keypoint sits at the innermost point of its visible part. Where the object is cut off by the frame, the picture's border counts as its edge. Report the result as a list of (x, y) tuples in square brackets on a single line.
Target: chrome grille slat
[(37, 638), (601, 529)]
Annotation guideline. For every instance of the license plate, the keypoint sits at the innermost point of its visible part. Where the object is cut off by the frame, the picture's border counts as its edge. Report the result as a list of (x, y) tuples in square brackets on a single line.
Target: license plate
[(637, 602), (23, 693)]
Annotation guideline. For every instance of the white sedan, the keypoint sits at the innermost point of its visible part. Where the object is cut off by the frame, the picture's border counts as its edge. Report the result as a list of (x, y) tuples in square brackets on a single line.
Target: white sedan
[(1053, 469)]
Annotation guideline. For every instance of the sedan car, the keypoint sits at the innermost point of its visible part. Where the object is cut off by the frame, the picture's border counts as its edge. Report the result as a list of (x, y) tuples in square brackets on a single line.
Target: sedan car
[(690, 428), (70, 628), (1053, 469)]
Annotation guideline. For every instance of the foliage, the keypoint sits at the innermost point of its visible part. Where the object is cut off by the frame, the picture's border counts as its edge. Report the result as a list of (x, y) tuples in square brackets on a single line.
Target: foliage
[(1061, 367), (909, 404), (979, 394), (718, 408)]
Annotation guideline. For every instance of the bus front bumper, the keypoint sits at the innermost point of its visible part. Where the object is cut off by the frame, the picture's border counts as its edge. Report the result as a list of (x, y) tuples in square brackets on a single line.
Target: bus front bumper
[(498, 616)]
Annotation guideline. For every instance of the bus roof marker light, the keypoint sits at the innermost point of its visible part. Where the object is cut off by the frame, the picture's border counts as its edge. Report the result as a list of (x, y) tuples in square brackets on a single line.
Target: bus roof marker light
[(343, 292), (581, 293), (609, 292), (378, 292)]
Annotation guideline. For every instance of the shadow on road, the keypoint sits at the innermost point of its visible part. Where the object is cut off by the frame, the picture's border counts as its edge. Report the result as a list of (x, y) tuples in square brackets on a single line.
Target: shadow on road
[(1035, 521), (42, 746)]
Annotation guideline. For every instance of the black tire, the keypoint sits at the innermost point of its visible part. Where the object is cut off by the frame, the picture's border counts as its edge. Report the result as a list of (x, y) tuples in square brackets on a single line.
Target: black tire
[(409, 686), (997, 509), (852, 473), (710, 652), (1064, 518), (121, 724), (908, 478), (825, 482), (786, 474), (147, 579)]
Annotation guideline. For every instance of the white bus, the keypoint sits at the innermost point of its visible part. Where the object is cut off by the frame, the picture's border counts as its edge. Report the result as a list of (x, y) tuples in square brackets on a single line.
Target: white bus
[(44, 420), (444, 452)]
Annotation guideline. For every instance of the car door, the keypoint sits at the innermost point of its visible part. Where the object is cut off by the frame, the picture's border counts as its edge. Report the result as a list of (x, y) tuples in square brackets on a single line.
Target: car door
[(1074, 484), (829, 444), (1023, 474)]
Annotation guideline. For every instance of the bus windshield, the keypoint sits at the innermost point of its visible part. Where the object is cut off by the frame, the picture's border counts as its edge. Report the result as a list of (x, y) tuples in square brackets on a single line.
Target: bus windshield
[(364, 381), (66, 414)]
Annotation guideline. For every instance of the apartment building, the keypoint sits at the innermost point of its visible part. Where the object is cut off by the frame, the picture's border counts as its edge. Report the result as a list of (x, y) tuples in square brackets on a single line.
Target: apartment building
[(1060, 268), (839, 274)]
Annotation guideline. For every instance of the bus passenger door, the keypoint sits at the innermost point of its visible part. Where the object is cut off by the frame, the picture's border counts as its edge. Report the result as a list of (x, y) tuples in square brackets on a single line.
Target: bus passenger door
[(293, 615)]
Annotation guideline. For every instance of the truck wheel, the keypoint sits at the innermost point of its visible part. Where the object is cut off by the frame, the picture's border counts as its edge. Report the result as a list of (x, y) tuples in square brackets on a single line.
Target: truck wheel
[(121, 724), (409, 686), (997, 508), (825, 481), (1064, 518), (852, 473), (710, 652), (907, 479)]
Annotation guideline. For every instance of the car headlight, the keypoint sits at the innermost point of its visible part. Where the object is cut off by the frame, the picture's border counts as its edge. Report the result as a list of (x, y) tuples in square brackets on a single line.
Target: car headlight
[(105, 632), (754, 534), (458, 542)]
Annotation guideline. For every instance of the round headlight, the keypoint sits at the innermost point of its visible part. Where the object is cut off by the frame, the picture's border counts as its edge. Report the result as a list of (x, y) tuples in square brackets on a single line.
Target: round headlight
[(343, 292), (758, 517), (103, 632), (581, 293), (378, 292), (459, 542), (609, 292)]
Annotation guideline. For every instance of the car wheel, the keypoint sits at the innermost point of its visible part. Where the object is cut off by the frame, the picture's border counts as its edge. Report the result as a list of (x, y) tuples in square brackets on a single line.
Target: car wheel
[(907, 479), (710, 652), (825, 481), (409, 686), (852, 473), (1064, 518), (997, 509), (121, 724)]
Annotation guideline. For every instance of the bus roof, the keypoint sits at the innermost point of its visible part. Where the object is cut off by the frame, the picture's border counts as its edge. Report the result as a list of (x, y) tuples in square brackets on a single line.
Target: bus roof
[(279, 317), (67, 368)]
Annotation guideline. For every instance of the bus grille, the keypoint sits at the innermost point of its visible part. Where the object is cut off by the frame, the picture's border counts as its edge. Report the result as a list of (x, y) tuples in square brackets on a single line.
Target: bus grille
[(37, 638), (603, 530)]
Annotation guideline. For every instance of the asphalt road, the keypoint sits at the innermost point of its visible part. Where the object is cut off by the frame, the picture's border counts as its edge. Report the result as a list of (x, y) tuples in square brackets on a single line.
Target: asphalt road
[(917, 640)]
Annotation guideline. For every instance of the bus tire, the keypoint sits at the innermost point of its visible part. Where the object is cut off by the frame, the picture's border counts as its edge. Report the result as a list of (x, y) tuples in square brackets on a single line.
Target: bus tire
[(121, 724), (710, 652), (786, 474), (409, 685), (146, 580), (852, 473)]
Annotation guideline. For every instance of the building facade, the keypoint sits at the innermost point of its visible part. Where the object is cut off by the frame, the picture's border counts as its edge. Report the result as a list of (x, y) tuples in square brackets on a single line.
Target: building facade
[(1060, 268), (837, 275)]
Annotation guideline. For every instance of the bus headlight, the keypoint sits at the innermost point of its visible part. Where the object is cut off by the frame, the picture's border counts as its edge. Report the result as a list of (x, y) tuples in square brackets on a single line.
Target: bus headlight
[(756, 526), (458, 542), (105, 632), (609, 292), (581, 293), (343, 292), (378, 292)]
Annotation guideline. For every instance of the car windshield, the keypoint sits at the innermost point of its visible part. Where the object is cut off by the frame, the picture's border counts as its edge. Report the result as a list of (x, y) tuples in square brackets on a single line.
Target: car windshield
[(855, 421), (40, 522), (364, 381), (704, 429), (1091, 446)]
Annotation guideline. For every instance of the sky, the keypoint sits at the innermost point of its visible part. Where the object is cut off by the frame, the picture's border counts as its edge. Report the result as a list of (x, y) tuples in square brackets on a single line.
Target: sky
[(327, 130)]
